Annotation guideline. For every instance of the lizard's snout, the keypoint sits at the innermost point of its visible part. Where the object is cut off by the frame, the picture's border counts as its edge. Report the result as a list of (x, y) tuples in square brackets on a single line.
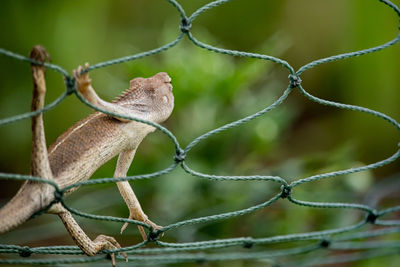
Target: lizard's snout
[(163, 76), (163, 79)]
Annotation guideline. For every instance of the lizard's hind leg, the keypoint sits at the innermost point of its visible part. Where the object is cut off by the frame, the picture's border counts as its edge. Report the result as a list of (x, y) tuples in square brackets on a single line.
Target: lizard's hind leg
[(32, 196), (41, 166), (88, 246)]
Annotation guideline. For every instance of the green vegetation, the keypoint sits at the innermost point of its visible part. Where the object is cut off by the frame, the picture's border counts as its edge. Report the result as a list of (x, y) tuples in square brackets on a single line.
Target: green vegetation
[(298, 139)]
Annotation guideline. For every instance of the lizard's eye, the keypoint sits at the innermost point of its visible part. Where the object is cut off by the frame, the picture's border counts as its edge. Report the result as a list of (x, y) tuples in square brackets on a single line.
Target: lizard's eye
[(165, 99)]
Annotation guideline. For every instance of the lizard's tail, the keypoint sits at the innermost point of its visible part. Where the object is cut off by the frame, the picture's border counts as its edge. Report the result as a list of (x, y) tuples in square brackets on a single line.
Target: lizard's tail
[(20, 208)]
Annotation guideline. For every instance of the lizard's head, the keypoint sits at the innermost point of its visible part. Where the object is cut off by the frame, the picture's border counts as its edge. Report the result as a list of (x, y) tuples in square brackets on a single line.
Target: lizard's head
[(151, 96)]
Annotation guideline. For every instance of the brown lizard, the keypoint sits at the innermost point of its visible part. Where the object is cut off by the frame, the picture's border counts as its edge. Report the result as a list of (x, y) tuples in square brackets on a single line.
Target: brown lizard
[(86, 146)]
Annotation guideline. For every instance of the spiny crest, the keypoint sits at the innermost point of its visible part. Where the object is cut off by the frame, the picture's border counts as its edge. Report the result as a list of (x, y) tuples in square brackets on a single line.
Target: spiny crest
[(134, 91), (122, 96)]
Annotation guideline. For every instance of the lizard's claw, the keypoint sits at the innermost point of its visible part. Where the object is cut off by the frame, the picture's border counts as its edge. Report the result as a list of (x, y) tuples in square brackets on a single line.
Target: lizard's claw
[(84, 84), (125, 225), (141, 229), (82, 79), (109, 243)]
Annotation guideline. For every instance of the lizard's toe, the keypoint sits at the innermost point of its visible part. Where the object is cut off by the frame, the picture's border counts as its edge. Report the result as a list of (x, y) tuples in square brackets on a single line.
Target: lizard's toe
[(109, 243)]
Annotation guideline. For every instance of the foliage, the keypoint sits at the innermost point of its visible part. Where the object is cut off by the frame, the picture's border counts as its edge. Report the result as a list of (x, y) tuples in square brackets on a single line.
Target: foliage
[(296, 140)]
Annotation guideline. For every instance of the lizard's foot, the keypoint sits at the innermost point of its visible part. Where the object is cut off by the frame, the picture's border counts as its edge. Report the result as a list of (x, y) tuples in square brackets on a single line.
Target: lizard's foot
[(153, 225), (141, 230), (39, 54), (84, 84), (89, 247), (82, 79), (106, 242)]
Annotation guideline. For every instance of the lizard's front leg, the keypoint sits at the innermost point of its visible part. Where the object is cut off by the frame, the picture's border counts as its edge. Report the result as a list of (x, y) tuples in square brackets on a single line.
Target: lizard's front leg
[(135, 210), (86, 90), (125, 158)]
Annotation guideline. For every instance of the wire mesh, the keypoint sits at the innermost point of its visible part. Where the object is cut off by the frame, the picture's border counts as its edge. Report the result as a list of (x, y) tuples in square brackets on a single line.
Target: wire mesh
[(349, 238)]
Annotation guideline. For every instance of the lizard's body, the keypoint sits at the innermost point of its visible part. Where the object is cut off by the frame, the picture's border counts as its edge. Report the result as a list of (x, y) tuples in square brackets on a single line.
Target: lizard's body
[(74, 157), (93, 142), (86, 146)]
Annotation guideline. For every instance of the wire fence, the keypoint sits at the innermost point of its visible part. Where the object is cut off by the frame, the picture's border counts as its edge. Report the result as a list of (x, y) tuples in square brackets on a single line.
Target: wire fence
[(349, 239)]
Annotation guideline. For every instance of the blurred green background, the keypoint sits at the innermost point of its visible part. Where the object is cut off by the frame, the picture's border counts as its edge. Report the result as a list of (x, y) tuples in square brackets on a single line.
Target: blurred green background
[(299, 139)]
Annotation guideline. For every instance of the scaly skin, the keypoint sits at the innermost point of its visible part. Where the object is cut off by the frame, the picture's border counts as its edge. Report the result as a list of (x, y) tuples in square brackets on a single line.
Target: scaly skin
[(87, 145)]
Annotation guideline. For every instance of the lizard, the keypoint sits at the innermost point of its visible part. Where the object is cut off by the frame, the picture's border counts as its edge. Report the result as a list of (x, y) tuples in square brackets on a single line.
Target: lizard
[(86, 146)]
